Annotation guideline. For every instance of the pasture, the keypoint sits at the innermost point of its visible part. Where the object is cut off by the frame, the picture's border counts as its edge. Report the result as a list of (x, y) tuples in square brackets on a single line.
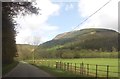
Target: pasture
[(102, 64)]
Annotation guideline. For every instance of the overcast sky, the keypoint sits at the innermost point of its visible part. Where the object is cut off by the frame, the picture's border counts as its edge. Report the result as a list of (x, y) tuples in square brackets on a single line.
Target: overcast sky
[(59, 16)]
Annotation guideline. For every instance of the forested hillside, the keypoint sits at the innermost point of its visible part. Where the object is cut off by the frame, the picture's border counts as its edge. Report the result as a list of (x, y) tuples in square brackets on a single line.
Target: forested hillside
[(91, 42), (25, 51)]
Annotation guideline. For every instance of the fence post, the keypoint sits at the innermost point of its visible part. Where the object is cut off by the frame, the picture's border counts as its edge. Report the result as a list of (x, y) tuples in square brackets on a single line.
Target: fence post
[(45, 63), (67, 66), (75, 68), (82, 68), (56, 65), (96, 71), (70, 67), (60, 65), (64, 66), (48, 64), (107, 71), (87, 69)]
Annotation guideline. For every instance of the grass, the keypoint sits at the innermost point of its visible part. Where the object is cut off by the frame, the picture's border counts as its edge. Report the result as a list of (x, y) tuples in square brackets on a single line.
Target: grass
[(57, 72), (61, 74), (8, 67), (99, 61), (112, 62)]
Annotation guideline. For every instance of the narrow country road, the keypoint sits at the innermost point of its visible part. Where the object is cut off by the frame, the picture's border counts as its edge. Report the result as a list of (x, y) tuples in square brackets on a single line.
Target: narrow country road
[(26, 70)]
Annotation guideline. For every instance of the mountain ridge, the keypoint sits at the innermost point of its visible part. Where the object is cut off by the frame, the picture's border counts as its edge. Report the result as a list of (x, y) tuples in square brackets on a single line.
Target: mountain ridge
[(90, 43), (91, 29)]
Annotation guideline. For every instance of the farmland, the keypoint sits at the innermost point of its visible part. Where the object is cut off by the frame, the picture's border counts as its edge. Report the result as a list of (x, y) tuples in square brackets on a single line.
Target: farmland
[(101, 62)]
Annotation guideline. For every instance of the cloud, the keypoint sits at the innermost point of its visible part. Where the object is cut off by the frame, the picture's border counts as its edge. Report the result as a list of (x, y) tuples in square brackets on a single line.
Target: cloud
[(36, 25), (69, 7), (107, 17)]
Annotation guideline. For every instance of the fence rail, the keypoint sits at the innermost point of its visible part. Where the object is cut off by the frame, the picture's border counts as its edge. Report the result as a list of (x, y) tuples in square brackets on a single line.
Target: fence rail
[(83, 69)]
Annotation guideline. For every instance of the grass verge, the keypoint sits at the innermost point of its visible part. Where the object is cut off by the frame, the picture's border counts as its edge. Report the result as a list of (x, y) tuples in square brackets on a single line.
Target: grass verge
[(57, 72), (8, 67)]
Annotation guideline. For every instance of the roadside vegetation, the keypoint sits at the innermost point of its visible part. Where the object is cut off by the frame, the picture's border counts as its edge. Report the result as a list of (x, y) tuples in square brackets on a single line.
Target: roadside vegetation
[(8, 67), (56, 72)]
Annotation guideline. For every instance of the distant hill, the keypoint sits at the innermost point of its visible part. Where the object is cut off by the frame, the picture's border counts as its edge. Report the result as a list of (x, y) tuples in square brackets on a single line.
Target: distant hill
[(93, 39), (24, 51)]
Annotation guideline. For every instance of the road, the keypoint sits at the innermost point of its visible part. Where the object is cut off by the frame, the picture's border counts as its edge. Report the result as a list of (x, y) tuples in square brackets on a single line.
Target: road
[(24, 69)]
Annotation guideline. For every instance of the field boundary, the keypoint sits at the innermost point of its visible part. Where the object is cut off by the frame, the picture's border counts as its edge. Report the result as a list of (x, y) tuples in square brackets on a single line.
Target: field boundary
[(84, 69)]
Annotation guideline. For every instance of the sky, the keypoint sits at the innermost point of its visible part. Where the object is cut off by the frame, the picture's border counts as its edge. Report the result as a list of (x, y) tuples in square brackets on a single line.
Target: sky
[(59, 16)]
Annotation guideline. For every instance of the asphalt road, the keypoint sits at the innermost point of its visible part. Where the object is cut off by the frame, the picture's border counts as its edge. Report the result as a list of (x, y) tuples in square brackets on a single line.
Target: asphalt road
[(26, 70)]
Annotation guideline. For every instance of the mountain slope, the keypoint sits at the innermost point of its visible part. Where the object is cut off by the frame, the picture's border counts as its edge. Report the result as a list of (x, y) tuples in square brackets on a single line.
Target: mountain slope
[(24, 51), (89, 39)]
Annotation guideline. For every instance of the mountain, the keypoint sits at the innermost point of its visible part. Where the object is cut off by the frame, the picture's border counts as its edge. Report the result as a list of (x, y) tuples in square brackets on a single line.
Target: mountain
[(93, 39)]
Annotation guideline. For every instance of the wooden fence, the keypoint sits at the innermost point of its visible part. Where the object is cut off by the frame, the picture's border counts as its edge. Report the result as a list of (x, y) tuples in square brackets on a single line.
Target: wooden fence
[(83, 69)]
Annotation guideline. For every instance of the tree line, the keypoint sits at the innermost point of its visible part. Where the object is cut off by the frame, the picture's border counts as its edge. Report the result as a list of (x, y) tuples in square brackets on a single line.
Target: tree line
[(9, 11)]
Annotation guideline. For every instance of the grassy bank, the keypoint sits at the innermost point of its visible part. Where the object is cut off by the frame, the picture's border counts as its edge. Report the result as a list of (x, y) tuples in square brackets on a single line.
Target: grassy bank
[(8, 67), (57, 72)]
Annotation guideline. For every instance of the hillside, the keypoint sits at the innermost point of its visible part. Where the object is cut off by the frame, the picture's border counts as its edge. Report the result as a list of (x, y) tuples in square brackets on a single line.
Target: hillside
[(86, 39), (24, 51)]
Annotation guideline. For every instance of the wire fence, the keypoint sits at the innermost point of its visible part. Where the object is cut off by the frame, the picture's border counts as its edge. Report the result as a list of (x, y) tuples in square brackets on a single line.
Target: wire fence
[(83, 69)]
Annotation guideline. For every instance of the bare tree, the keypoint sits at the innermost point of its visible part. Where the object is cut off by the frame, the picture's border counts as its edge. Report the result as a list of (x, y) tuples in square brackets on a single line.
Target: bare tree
[(35, 41)]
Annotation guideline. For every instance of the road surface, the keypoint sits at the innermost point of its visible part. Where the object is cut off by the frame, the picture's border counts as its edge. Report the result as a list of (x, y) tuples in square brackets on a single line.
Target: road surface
[(26, 70)]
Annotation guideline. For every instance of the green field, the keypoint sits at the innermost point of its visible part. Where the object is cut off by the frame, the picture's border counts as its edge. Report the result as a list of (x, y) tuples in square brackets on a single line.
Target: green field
[(112, 62), (99, 61)]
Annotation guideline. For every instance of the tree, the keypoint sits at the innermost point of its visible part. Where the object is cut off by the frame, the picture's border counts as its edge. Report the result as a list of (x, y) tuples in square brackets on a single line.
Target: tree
[(35, 41), (114, 49), (9, 11)]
